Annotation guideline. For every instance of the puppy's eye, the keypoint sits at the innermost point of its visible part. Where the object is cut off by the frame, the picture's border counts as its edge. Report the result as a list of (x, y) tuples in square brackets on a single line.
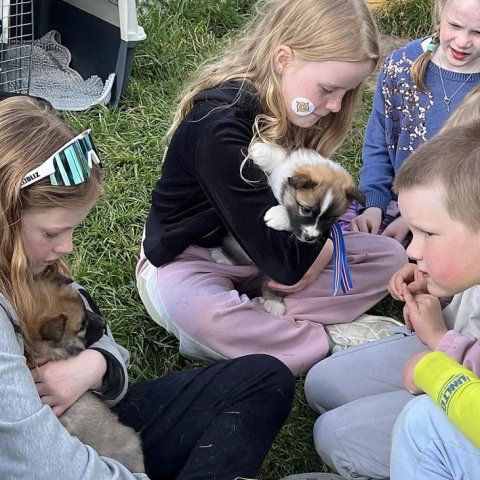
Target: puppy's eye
[(305, 211), (83, 326)]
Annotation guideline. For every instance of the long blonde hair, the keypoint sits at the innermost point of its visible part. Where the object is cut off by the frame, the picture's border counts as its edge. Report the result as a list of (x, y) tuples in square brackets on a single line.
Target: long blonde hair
[(30, 132), (316, 30), (419, 66)]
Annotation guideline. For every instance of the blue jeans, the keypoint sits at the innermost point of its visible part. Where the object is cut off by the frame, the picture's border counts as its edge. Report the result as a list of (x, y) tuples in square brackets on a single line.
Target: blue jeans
[(217, 421), (427, 446)]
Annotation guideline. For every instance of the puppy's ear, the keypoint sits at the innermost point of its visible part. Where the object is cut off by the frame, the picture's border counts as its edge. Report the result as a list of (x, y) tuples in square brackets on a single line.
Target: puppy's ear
[(353, 193), (301, 181), (54, 329)]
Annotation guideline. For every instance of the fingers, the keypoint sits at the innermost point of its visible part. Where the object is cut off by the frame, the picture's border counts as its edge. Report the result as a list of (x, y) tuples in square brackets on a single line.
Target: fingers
[(409, 299), (406, 318), (285, 288), (58, 410)]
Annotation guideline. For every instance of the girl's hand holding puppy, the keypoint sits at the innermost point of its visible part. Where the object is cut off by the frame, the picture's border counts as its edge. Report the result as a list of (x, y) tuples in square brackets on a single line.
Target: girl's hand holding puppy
[(311, 274), (63, 382)]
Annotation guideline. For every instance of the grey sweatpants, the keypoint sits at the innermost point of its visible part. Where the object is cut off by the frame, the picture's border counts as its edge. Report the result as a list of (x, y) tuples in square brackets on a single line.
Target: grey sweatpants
[(359, 394)]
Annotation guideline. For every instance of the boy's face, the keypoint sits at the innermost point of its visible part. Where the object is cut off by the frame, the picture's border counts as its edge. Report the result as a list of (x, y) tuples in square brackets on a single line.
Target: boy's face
[(446, 251)]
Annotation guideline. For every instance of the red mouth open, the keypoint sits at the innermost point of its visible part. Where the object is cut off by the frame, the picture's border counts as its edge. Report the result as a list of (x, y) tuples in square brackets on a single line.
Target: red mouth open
[(458, 55)]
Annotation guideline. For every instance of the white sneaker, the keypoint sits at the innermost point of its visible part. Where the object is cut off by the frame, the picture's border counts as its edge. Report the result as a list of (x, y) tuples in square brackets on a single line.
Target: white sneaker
[(365, 328)]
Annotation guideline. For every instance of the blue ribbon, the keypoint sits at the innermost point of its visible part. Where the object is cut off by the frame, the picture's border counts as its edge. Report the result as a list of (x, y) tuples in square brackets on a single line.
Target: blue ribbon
[(341, 272)]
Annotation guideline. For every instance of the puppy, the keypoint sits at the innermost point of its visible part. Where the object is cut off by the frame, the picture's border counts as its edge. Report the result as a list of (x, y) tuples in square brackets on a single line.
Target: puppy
[(312, 192), (64, 327)]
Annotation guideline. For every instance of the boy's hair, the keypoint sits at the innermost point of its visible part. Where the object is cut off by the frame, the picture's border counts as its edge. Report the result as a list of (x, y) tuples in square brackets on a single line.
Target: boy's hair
[(316, 30), (31, 131), (451, 159), (420, 65)]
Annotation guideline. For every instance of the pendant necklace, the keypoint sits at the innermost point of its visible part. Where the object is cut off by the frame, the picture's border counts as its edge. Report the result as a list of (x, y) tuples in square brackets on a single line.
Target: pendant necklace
[(447, 99)]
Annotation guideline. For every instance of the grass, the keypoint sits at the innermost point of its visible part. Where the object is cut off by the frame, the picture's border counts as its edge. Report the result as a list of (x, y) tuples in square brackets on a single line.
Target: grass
[(181, 33)]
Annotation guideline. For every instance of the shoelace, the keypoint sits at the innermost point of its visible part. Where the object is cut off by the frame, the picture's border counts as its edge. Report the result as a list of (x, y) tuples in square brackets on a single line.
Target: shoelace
[(341, 272)]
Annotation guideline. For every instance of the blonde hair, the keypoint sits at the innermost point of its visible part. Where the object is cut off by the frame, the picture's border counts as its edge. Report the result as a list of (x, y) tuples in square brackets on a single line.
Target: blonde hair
[(316, 30), (452, 159), (31, 131), (419, 67)]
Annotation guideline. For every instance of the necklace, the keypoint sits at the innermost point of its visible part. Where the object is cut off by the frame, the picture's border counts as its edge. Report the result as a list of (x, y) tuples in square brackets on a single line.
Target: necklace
[(447, 99)]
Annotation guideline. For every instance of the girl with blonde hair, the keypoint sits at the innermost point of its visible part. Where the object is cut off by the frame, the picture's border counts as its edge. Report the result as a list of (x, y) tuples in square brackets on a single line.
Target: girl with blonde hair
[(292, 79), (49, 180), (420, 86)]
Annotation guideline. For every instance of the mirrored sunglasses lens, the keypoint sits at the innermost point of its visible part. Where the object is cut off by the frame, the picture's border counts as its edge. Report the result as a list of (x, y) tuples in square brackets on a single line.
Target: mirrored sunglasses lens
[(71, 166)]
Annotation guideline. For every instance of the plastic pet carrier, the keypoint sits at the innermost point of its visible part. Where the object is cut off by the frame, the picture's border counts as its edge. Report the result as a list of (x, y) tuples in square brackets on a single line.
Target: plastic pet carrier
[(74, 53)]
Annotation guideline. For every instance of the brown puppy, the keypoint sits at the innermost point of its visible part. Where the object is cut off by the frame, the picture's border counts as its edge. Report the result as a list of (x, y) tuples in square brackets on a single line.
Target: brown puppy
[(64, 327), (312, 192)]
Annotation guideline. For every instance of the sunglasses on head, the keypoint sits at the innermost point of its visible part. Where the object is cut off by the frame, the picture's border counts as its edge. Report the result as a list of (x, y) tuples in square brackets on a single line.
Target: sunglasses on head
[(70, 165)]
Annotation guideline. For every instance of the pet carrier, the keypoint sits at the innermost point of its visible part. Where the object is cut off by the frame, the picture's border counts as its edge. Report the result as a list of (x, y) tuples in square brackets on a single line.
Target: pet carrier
[(74, 53), (16, 37)]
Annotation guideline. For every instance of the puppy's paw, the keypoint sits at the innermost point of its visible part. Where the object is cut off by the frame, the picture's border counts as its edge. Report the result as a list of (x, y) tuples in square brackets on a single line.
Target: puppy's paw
[(219, 256), (277, 218), (274, 306), (267, 157)]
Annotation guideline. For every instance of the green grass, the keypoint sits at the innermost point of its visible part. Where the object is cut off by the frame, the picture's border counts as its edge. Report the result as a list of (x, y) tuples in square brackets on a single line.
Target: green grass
[(181, 33), (405, 18)]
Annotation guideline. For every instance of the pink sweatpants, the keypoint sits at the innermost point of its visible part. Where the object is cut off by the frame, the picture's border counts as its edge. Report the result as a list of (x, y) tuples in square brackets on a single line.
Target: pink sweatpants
[(206, 306)]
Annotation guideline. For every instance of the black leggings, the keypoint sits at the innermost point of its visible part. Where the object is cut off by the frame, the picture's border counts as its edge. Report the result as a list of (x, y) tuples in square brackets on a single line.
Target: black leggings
[(214, 422)]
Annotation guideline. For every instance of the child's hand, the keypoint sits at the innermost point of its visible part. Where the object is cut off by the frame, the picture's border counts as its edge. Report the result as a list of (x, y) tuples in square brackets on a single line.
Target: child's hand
[(63, 382), (397, 229), (369, 221), (407, 373), (410, 275), (423, 314), (311, 274)]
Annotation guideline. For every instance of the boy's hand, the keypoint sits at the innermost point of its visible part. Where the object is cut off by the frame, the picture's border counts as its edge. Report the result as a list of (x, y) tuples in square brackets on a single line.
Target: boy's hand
[(410, 275), (369, 221), (407, 373), (423, 313), (397, 230)]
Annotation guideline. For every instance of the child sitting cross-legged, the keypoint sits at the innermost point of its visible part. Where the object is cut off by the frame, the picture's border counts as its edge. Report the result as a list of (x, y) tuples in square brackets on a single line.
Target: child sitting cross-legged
[(439, 191), (439, 195)]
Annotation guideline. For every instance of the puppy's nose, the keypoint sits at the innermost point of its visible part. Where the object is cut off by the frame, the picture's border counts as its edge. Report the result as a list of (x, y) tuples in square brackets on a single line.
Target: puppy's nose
[(309, 238)]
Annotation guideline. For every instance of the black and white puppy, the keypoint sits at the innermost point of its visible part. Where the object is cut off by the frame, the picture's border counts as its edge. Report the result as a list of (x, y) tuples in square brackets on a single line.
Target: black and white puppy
[(312, 191)]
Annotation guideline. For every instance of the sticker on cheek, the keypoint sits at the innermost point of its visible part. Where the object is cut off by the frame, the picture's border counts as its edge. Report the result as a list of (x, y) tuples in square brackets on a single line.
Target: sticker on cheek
[(302, 106)]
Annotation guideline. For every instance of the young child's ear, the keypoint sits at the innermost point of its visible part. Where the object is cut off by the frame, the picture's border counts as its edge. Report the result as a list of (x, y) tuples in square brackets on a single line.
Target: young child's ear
[(283, 57)]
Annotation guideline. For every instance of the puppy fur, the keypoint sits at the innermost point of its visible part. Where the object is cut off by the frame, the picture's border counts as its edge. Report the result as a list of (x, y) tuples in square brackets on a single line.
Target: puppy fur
[(312, 191), (64, 327)]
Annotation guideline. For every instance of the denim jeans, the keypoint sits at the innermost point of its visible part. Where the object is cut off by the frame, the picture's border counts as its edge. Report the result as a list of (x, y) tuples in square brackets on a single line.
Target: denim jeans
[(213, 422), (427, 446)]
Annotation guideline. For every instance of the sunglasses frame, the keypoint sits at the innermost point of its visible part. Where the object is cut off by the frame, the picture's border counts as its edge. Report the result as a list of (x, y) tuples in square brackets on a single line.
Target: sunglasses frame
[(48, 168)]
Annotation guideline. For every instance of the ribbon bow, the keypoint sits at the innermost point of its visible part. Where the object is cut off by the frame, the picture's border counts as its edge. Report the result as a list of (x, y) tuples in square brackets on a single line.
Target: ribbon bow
[(341, 272)]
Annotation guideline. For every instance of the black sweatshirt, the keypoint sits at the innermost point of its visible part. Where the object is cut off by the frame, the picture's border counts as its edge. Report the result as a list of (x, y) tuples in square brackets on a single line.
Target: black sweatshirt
[(201, 193)]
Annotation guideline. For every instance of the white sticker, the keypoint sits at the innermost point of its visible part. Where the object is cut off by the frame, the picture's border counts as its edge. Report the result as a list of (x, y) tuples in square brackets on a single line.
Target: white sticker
[(302, 106)]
